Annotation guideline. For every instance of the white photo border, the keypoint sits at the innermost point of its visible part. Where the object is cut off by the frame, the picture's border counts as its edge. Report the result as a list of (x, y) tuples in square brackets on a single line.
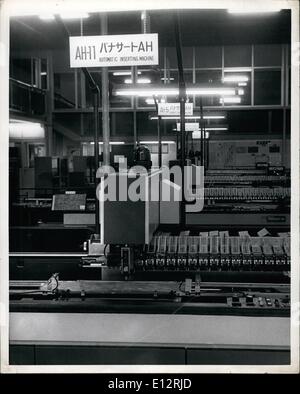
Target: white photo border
[(10, 8)]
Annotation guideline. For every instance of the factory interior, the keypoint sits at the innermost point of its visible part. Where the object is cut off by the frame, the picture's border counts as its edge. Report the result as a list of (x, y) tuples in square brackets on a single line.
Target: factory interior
[(124, 282)]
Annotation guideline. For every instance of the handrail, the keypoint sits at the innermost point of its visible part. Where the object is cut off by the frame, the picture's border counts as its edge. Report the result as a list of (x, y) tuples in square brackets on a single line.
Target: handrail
[(27, 85), (60, 96), (26, 98)]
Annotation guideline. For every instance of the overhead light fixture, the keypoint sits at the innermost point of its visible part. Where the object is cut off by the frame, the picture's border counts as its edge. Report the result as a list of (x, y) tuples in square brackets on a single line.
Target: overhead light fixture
[(156, 142), (216, 128), (214, 117), (242, 83), (174, 91), (241, 92), (210, 91), (189, 117), (236, 78), (47, 17), (174, 117), (253, 10), (230, 100), (146, 92), (167, 79), (19, 129), (114, 143), (237, 69), (139, 80), (71, 15), (44, 73), (121, 73), (111, 143)]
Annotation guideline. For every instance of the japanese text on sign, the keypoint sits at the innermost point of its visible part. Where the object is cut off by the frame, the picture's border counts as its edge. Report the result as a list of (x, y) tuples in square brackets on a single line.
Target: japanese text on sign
[(112, 51), (174, 109)]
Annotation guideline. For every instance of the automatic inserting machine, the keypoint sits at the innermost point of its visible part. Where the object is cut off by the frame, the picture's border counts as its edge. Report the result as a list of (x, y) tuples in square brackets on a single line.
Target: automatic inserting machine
[(163, 295)]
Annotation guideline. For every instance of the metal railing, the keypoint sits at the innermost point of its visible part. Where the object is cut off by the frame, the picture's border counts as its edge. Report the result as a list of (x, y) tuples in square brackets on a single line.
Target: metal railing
[(26, 98)]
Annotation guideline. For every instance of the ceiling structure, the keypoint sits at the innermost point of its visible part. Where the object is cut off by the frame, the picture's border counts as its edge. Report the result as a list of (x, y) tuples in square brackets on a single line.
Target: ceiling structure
[(198, 27)]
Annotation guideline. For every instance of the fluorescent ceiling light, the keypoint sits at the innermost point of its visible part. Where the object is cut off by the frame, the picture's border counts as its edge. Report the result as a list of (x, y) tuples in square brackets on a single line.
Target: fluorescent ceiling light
[(242, 83), (19, 129), (120, 73), (241, 92), (164, 91), (210, 91), (217, 128), (167, 79), (237, 69), (47, 17), (148, 92), (139, 80), (43, 73), (236, 78), (156, 142), (111, 143), (114, 143), (214, 117), (230, 100), (74, 16), (253, 10)]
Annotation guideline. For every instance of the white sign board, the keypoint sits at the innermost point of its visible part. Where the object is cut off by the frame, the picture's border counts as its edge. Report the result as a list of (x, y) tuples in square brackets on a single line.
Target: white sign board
[(112, 51), (165, 109), (189, 126), (197, 134)]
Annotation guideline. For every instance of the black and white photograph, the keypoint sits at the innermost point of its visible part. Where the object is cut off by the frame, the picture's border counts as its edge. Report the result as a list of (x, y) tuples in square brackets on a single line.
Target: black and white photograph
[(149, 188)]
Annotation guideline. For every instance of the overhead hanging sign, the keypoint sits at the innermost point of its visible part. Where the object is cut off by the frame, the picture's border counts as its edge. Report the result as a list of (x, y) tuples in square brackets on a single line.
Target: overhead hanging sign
[(165, 109), (114, 51), (189, 126)]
